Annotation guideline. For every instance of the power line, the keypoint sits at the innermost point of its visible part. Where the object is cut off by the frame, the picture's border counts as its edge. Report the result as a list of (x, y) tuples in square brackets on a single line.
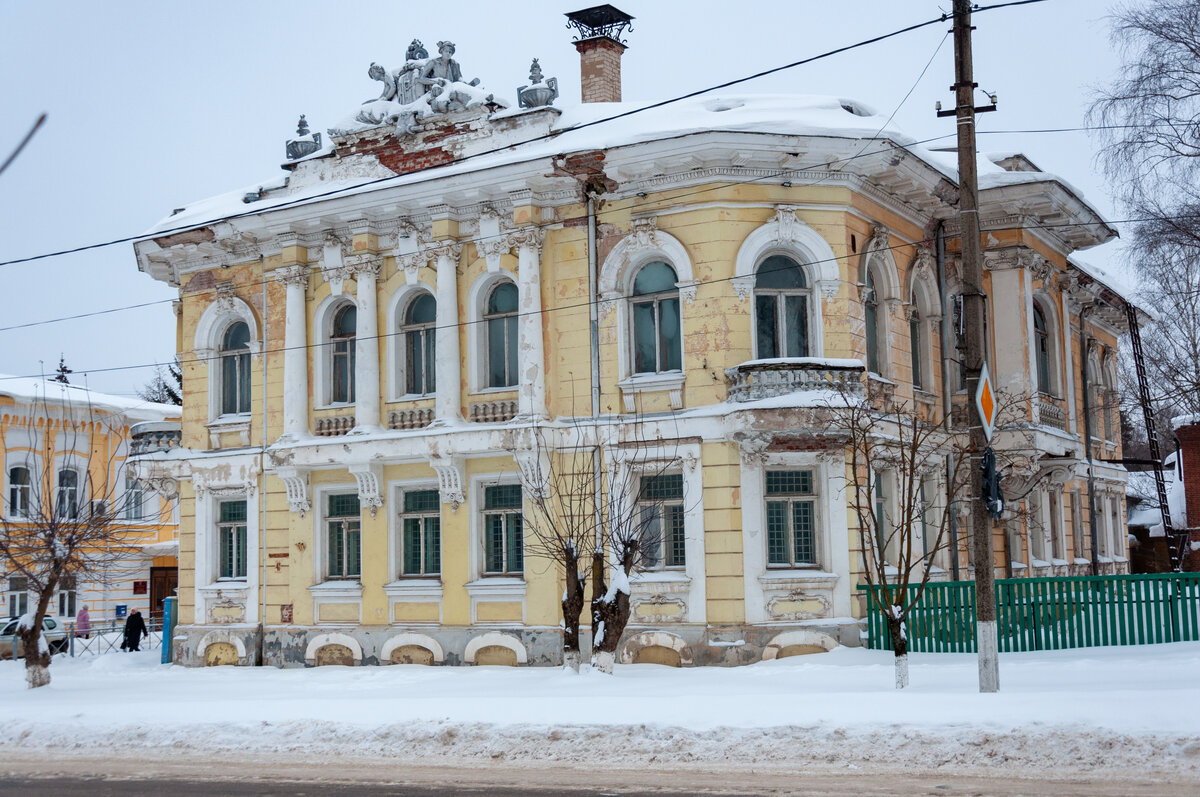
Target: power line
[(493, 151), (543, 311)]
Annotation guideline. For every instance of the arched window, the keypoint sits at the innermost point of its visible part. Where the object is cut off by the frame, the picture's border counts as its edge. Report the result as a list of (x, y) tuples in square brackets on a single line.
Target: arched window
[(871, 316), (780, 308), (419, 332), (655, 315), (500, 323), (19, 487), (67, 501), (341, 338), (235, 369), (916, 343), (1041, 349)]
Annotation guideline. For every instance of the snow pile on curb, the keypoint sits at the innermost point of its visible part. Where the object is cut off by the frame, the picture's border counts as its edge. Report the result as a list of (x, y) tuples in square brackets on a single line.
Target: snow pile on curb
[(1095, 710)]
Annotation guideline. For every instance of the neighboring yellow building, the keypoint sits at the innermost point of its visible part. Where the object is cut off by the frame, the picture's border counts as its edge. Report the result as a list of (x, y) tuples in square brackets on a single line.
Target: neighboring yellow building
[(67, 447), (365, 342)]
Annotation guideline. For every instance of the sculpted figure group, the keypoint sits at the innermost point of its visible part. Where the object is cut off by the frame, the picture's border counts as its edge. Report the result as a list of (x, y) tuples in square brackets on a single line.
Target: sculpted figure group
[(420, 76)]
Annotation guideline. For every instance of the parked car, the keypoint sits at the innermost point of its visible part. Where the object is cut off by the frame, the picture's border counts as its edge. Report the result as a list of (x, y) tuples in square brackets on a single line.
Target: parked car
[(52, 630)]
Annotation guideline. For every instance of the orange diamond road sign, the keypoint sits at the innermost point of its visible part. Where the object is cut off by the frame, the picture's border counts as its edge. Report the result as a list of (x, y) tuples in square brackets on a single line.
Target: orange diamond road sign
[(985, 402)]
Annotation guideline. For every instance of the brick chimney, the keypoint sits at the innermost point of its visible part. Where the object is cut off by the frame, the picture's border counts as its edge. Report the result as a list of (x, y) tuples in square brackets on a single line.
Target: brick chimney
[(598, 40)]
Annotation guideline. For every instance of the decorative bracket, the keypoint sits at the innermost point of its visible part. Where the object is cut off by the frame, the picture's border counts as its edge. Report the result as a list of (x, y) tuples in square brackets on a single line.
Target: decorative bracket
[(295, 482), (369, 478), (450, 483)]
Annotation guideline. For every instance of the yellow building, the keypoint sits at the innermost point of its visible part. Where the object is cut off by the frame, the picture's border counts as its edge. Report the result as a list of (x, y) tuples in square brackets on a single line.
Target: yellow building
[(367, 341), (67, 448)]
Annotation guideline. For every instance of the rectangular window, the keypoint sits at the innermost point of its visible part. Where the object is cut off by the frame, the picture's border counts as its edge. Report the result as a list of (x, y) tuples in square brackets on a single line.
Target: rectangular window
[(135, 498), (344, 536), (883, 516), (1077, 525), (914, 340), (1057, 539), (791, 519), (66, 597), (231, 538), (18, 596), (503, 544), (764, 317), (660, 521), (421, 533)]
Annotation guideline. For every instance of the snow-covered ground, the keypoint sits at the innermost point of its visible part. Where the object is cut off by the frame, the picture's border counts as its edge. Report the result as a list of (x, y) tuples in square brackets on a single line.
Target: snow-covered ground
[(1126, 710)]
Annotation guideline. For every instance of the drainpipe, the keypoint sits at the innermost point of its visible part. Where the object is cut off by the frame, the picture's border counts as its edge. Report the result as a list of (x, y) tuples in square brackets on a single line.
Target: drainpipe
[(262, 456), (594, 318), (947, 400), (1087, 438)]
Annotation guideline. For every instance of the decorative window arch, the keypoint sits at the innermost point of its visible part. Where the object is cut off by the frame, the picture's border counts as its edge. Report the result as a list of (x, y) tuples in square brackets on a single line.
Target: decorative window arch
[(788, 236), (1108, 395), (481, 333), (335, 355), (925, 308), (497, 639), (1094, 389), (654, 316), (500, 333), (782, 300), (644, 246), (234, 356), (397, 309), (209, 344), (880, 292), (1046, 350), (418, 331)]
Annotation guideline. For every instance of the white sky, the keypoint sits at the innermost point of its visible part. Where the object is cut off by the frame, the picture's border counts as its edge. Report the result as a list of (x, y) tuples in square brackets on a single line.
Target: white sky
[(154, 105)]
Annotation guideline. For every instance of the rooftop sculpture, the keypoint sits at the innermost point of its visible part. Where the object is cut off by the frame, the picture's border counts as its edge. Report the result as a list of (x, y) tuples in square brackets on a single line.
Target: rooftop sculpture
[(537, 94)]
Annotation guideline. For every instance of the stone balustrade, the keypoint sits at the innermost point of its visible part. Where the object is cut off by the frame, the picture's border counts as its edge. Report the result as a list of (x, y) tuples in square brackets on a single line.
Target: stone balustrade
[(493, 411), (152, 437), (760, 379), (417, 418), (1050, 412), (334, 425)]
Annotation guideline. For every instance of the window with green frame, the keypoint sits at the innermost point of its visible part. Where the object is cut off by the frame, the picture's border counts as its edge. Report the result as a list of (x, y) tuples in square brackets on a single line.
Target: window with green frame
[(344, 536), (421, 533), (231, 537), (660, 521), (503, 546), (791, 519)]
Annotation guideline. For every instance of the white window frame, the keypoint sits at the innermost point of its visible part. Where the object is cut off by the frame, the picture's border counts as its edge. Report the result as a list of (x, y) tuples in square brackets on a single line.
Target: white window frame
[(210, 330), (808, 293), (833, 537), (397, 369), (477, 361), (396, 532), (79, 490), (1045, 303), (29, 494), (208, 555), (322, 384)]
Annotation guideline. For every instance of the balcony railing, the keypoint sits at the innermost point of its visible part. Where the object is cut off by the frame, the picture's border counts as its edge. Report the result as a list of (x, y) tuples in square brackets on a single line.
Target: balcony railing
[(154, 436), (1050, 412), (760, 379)]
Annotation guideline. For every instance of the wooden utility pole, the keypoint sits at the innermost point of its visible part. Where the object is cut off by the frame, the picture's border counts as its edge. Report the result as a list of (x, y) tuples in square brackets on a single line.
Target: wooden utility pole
[(974, 308)]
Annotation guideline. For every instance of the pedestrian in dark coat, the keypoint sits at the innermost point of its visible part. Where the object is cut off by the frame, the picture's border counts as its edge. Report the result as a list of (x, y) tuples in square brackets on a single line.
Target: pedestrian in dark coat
[(135, 629)]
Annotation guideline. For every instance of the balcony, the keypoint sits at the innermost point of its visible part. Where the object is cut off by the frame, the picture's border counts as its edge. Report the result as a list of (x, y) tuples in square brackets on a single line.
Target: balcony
[(1050, 412), (153, 437), (760, 379)]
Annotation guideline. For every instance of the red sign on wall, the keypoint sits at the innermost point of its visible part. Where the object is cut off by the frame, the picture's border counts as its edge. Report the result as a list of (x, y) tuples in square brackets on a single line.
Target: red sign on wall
[(140, 587)]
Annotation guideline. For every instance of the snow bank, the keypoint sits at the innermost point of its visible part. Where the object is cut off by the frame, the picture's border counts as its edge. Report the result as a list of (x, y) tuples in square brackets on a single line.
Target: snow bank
[(1093, 710)]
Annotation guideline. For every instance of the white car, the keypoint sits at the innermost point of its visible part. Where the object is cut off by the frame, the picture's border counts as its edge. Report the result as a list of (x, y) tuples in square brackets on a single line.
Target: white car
[(55, 634)]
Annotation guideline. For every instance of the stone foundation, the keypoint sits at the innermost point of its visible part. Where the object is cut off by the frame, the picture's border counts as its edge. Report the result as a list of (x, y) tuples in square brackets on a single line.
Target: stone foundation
[(679, 645)]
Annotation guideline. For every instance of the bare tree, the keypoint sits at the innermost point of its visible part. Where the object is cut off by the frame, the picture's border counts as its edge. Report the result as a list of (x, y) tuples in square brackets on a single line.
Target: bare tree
[(58, 521), (596, 492), (901, 493), (561, 488), (164, 388), (1147, 122)]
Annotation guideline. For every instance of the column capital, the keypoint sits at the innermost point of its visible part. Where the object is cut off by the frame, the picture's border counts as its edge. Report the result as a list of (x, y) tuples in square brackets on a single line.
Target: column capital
[(447, 247), (526, 238), (292, 275), (364, 263)]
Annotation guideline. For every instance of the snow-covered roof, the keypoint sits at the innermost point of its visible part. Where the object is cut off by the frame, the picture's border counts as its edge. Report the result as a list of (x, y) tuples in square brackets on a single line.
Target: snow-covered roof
[(589, 126), (27, 390)]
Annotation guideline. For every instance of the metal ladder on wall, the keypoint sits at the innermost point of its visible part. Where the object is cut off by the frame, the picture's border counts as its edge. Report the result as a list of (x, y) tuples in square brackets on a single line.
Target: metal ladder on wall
[(1176, 540)]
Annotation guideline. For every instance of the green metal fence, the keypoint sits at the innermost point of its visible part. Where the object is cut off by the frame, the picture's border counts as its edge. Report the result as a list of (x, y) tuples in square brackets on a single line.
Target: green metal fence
[(1052, 613)]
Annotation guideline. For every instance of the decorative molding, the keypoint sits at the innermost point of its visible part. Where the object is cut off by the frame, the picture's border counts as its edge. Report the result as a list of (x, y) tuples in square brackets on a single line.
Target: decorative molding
[(526, 237), (368, 478), (292, 275), (1011, 257), (333, 266), (364, 263), (450, 479), (752, 446), (295, 481), (643, 234), (533, 471), (687, 290)]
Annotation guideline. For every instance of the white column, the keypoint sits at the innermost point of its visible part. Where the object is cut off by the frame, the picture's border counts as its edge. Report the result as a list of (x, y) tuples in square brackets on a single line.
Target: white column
[(531, 395), (448, 397), (295, 355), (366, 345)]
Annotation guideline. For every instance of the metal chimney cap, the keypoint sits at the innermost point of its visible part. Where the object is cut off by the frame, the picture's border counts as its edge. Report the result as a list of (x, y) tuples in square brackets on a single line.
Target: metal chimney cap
[(599, 21)]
